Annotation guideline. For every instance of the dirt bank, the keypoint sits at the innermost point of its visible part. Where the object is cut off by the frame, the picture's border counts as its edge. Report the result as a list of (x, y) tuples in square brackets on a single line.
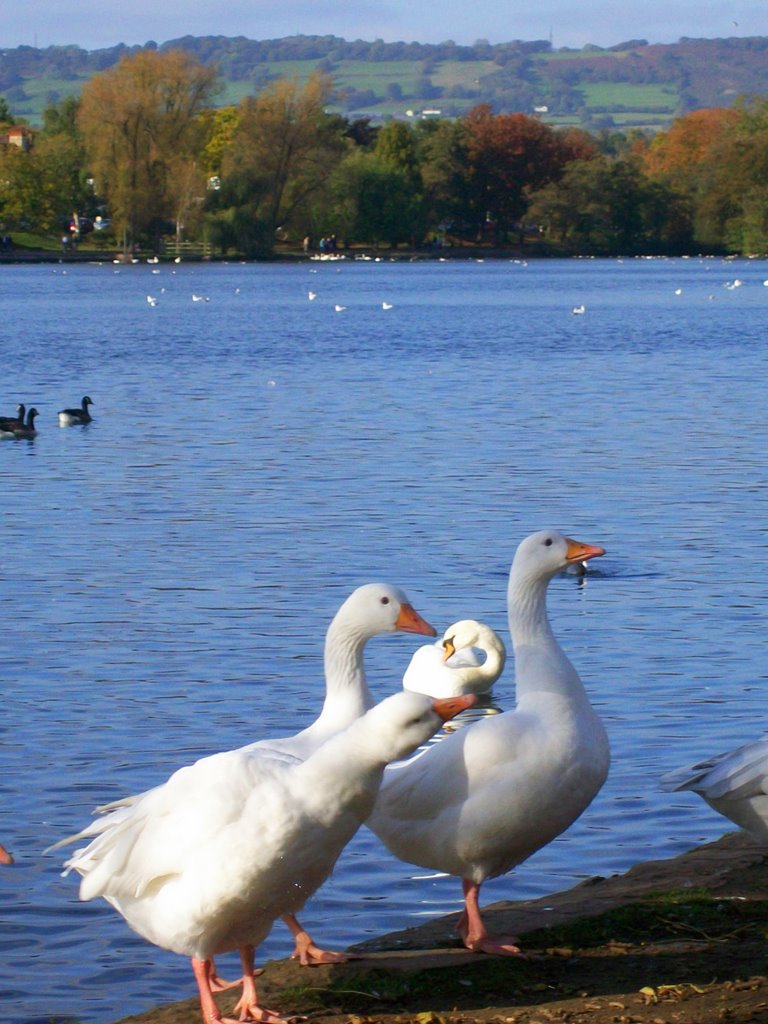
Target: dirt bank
[(679, 941)]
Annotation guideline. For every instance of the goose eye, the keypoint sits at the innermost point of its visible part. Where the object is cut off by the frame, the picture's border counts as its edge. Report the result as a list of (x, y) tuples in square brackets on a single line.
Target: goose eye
[(548, 542), (385, 600)]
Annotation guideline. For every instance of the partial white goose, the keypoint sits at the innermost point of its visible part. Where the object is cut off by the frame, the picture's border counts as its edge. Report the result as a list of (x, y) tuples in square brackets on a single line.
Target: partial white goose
[(451, 666), (735, 784), (486, 797), (370, 610), (205, 863)]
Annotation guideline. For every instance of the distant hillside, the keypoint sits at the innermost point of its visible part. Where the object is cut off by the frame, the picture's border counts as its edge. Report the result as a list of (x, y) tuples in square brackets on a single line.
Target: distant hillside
[(631, 85)]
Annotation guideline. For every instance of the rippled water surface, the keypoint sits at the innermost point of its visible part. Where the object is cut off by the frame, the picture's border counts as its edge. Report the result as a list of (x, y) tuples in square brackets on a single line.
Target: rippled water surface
[(169, 571)]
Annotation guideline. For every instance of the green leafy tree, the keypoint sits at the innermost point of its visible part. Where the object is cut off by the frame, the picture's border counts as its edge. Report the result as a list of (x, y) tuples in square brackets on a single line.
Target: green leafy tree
[(396, 146), (43, 187), (737, 186), (449, 198), (233, 219), (376, 202), (59, 149), (6, 117), (61, 119), (602, 206)]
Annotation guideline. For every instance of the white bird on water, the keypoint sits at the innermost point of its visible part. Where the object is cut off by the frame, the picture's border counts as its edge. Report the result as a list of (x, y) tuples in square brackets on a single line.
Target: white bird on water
[(451, 666), (374, 609), (206, 862)]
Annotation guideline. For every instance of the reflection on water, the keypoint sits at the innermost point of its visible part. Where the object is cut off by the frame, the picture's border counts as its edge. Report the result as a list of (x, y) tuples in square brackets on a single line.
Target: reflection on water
[(169, 570)]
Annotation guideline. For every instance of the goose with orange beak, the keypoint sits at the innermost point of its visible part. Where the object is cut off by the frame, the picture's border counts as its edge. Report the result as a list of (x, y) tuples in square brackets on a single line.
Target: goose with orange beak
[(206, 862), (520, 778)]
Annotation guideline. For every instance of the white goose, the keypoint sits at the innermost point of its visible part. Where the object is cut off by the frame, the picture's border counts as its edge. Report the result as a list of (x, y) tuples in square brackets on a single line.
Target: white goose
[(206, 862), (373, 609), (451, 666), (735, 784), (370, 610), (518, 779)]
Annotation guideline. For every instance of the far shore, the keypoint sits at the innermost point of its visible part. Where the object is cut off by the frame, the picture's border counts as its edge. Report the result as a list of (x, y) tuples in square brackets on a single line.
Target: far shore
[(281, 255)]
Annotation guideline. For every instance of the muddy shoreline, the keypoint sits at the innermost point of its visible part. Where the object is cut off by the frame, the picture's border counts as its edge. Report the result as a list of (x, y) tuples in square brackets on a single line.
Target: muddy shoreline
[(675, 941)]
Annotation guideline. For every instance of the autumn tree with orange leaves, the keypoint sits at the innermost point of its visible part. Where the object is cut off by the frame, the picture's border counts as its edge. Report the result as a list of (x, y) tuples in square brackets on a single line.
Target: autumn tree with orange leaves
[(142, 135), (509, 155)]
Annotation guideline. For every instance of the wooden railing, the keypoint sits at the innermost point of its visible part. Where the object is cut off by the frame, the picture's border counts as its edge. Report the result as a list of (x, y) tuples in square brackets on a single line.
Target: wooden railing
[(193, 250)]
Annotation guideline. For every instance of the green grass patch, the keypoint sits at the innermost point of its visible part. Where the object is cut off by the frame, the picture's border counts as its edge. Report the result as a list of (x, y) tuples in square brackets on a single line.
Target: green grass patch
[(369, 990), (467, 73), (359, 76), (41, 92), (688, 913), (608, 95), (579, 55), (32, 240)]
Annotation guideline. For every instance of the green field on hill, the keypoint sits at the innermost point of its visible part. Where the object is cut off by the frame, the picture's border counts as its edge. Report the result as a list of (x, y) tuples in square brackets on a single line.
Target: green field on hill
[(635, 85)]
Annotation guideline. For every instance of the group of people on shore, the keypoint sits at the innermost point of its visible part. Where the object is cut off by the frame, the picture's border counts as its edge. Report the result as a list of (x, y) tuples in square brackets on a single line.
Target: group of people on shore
[(327, 244)]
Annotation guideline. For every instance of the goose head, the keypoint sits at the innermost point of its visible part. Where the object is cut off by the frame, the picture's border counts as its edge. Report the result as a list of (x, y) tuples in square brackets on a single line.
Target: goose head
[(28, 429), (406, 720), (471, 633), (377, 608), (541, 555)]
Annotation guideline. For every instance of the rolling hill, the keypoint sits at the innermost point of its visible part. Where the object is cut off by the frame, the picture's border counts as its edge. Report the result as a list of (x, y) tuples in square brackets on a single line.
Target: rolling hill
[(630, 85)]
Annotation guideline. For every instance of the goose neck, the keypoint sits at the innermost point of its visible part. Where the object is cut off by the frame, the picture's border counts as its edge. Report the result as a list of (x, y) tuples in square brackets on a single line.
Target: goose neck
[(345, 678), (487, 673), (527, 607)]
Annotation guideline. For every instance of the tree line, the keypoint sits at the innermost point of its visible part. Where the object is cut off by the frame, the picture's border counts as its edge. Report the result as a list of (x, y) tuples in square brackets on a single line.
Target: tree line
[(145, 147)]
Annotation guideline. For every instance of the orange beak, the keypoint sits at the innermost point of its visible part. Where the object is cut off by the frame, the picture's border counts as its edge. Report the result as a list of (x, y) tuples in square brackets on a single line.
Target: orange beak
[(578, 552), (449, 707), (449, 649), (409, 621), (5, 857)]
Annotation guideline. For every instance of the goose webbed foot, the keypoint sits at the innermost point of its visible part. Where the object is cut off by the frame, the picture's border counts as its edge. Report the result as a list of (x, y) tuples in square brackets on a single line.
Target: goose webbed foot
[(306, 952), (473, 932)]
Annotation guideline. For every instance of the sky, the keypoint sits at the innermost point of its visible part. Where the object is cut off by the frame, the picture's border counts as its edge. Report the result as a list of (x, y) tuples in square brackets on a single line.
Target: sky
[(94, 24)]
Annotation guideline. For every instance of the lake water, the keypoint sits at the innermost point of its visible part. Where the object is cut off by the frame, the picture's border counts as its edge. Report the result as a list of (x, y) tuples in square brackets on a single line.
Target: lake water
[(169, 571)]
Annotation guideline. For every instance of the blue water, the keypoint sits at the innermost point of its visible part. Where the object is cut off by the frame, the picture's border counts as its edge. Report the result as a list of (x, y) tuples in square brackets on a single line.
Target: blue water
[(168, 572)]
